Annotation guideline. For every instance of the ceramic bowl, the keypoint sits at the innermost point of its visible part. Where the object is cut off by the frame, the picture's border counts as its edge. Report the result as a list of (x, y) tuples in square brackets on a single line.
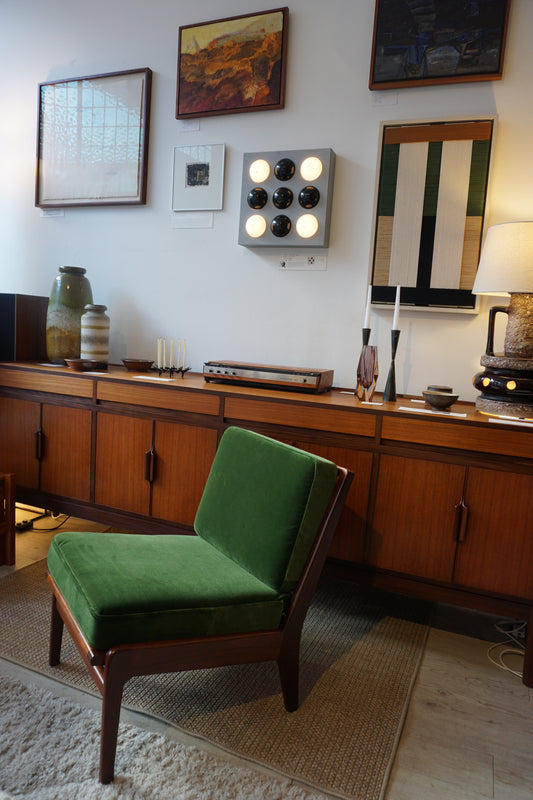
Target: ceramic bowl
[(80, 364), (439, 389), (439, 400), (137, 364)]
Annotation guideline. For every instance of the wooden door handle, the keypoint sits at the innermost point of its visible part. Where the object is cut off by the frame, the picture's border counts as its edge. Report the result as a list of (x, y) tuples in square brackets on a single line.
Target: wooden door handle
[(461, 516), (149, 465), (38, 444)]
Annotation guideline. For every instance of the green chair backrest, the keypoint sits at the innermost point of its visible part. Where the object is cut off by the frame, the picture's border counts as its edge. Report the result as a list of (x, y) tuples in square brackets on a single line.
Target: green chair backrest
[(263, 503)]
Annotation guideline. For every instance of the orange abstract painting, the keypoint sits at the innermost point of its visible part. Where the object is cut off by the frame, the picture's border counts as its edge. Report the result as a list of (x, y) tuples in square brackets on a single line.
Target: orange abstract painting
[(232, 65)]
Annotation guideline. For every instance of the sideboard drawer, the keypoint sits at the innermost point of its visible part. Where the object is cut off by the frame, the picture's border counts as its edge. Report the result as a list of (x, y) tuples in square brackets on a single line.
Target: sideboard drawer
[(46, 382), (298, 415), (448, 434), (156, 397)]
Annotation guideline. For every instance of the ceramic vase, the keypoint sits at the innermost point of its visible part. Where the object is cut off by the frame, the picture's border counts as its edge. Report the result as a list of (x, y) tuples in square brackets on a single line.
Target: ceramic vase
[(367, 373), (95, 335), (71, 292)]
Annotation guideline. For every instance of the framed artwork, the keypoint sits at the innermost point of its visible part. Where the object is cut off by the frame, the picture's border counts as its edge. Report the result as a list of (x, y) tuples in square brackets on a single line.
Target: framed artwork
[(232, 65), (198, 177), (430, 206), (92, 140), (445, 41)]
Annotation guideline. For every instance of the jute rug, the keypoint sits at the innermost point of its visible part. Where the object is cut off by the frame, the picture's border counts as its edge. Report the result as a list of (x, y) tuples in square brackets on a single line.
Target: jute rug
[(359, 658)]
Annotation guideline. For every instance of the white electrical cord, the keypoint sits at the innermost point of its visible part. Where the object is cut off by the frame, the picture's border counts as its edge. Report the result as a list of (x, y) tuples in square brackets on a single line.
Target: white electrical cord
[(514, 630)]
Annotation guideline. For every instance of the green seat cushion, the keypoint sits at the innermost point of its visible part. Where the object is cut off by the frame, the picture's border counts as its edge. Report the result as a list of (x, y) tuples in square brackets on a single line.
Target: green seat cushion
[(263, 503), (125, 588)]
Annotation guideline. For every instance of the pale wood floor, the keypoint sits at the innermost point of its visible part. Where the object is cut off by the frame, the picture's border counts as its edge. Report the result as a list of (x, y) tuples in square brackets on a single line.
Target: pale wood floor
[(469, 730)]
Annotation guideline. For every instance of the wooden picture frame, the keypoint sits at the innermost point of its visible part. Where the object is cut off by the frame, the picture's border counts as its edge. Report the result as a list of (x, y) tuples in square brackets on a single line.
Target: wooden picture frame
[(431, 191), (458, 43), (92, 140), (232, 65)]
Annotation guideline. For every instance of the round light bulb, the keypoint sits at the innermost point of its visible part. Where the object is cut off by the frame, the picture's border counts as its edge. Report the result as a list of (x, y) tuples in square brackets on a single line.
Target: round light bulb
[(311, 168), (307, 226), (259, 170), (255, 226)]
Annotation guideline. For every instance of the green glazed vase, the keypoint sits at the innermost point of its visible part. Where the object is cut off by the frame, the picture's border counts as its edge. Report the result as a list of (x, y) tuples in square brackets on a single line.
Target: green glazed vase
[(71, 292)]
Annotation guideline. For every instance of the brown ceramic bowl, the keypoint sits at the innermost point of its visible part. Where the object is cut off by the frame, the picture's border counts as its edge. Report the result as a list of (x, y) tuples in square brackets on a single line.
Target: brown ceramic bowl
[(137, 364), (440, 400), (80, 364)]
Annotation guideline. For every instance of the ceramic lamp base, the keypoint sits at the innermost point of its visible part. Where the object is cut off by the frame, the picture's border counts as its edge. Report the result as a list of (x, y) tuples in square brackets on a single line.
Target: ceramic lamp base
[(499, 408)]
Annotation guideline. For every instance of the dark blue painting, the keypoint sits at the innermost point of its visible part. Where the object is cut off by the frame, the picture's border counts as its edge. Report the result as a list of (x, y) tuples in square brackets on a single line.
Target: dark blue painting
[(425, 42)]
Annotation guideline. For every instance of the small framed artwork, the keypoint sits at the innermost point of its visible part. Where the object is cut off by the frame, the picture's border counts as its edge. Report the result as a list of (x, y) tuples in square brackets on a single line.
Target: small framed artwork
[(430, 206), (232, 65), (417, 44), (198, 177), (92, 140)]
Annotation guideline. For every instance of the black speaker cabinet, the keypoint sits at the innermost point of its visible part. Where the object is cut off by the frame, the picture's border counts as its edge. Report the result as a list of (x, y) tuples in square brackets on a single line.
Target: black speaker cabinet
[(23, 327)]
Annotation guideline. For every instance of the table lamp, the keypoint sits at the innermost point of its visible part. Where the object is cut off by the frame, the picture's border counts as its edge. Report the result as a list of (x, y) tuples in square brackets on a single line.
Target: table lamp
[(506, 267)]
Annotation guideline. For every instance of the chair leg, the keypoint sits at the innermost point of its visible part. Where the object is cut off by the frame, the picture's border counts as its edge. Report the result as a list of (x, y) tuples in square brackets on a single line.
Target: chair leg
[(56, 635), (113, 686), (289, 671)]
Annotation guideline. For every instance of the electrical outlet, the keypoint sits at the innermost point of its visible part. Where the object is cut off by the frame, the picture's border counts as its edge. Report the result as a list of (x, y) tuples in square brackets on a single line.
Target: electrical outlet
[(303, 262)]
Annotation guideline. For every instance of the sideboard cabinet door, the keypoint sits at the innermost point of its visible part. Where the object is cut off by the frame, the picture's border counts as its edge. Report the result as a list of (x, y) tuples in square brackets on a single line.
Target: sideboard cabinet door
[(415, 520), (19, 425), (497, 552), (120, 481), (66, 451), (183, 458)]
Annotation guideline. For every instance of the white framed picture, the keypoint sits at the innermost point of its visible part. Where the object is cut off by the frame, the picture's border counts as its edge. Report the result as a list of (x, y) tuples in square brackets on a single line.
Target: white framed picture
[(198, 177)]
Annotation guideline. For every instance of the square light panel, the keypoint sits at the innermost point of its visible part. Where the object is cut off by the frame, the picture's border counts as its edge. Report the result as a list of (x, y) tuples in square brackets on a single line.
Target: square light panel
[(286, 198)]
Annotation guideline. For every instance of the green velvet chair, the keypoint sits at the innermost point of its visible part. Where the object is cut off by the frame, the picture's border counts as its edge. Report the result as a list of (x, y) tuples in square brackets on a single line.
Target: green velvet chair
[(235, 593)]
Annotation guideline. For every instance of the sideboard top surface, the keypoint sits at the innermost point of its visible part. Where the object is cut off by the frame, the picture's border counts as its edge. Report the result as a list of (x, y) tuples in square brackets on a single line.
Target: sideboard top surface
[(408, 419)]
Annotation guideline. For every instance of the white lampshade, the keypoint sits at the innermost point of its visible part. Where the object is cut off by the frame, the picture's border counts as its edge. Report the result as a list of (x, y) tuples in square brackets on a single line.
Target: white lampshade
[(506, 263)]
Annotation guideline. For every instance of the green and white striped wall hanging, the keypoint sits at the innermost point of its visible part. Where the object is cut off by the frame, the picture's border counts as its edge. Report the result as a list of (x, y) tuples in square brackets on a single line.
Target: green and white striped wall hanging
[(431, 195)]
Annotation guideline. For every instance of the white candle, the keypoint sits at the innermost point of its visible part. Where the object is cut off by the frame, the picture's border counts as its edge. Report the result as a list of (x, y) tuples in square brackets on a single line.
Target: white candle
[(171, 353), (184, 346), (396, 310), (178, 360), (159, 353), (164, 353), (367, 310)]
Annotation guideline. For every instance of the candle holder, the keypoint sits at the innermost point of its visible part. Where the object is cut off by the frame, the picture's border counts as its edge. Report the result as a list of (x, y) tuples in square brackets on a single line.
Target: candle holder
[(390, 387), (367, 369), (171, 370)]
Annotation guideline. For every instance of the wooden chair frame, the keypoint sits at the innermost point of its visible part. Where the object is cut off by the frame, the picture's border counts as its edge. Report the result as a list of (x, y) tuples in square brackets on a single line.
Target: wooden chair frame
[(110, 670)]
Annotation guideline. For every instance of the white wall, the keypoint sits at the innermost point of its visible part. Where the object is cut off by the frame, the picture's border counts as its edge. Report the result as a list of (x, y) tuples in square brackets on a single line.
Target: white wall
[(228, 301)]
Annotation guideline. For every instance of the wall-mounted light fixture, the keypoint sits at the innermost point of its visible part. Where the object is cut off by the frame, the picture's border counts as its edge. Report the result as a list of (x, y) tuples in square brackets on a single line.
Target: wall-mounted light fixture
[(286, 198)]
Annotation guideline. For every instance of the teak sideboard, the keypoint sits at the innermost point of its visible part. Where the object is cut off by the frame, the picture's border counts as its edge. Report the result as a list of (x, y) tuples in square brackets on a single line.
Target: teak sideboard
[(441, 506)]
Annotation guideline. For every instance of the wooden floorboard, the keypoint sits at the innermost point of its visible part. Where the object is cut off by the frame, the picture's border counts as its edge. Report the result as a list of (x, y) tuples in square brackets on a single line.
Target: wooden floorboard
[(469, 729)]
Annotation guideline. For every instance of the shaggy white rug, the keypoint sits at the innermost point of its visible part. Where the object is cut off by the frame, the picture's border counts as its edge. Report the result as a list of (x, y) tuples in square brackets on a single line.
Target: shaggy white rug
[(49, 751)]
